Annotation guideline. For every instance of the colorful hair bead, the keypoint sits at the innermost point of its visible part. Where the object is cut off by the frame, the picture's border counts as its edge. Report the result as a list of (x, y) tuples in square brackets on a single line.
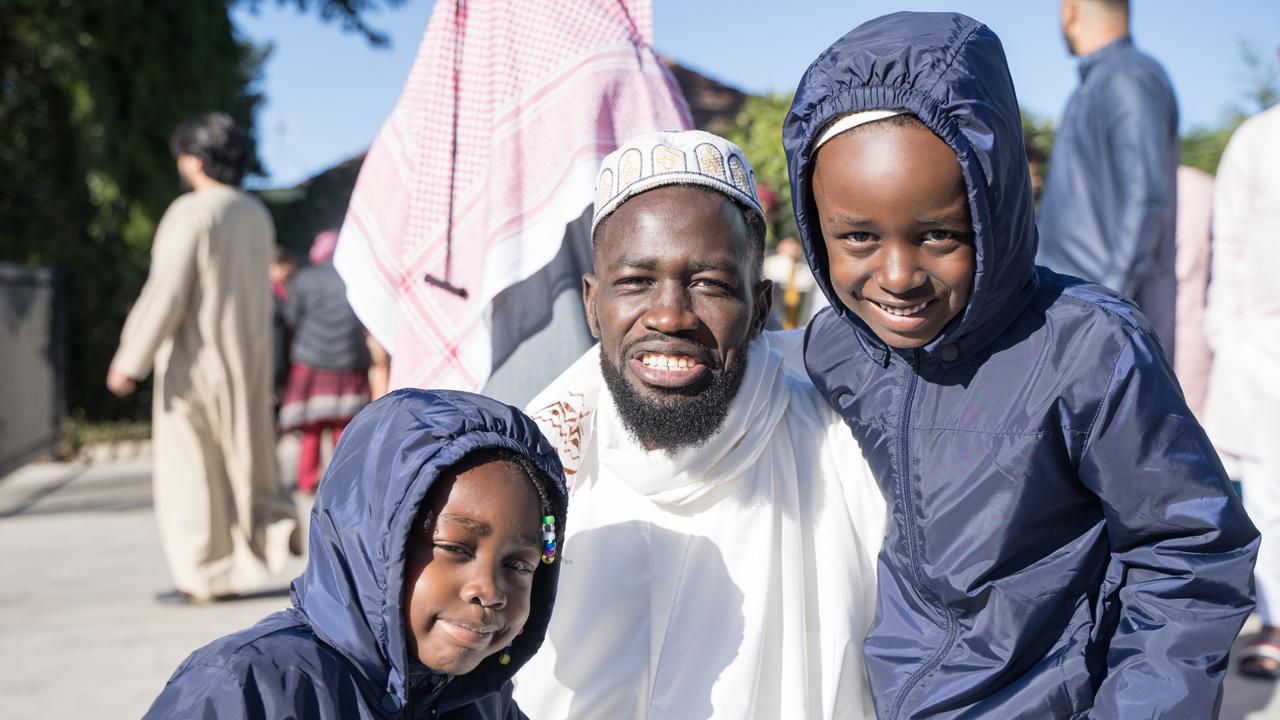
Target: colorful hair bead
[(505, 657), (548, 539)]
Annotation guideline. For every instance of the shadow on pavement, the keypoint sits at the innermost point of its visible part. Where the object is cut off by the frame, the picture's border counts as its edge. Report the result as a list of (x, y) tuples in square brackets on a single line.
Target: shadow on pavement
[(282, 592), (65, 496)]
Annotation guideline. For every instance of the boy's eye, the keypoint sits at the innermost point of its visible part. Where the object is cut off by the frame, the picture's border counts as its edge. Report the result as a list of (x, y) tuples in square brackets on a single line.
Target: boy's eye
[(943, 236), (858, 236)]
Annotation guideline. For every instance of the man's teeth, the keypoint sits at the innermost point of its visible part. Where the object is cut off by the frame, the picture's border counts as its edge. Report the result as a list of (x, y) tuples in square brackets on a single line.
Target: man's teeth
[(904, 311), (667, 362)]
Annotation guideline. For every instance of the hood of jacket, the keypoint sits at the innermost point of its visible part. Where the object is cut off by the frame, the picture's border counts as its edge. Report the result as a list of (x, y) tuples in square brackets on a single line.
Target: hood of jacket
[(950, 71), (389, 456)]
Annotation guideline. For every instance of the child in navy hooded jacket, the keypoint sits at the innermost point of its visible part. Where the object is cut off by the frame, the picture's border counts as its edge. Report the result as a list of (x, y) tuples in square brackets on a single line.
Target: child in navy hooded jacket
[(417, 576), (1063, 541)]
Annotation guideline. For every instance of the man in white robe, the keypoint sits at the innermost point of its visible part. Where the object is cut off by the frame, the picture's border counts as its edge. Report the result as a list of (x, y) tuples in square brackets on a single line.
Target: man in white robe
[(1242, 323), (720, 555), (203, 323)]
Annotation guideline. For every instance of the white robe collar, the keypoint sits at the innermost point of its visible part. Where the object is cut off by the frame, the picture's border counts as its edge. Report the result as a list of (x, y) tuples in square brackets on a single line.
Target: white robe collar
[(678, 479)]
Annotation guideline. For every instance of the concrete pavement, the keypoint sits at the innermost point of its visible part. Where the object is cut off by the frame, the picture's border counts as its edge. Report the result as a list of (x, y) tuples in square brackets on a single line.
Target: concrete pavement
[(80, 635)]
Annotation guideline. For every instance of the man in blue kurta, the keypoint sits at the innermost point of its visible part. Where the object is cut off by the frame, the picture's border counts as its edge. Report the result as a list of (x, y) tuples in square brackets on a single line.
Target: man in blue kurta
[(1107, 213)]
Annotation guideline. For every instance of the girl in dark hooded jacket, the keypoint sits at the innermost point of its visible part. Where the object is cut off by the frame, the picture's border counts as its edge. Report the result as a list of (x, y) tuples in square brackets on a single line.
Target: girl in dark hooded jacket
[(1062, 540), (430, 581)]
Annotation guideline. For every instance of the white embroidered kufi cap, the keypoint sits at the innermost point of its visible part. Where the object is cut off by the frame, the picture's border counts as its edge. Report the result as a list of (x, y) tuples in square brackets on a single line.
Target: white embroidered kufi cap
[(656, 159)]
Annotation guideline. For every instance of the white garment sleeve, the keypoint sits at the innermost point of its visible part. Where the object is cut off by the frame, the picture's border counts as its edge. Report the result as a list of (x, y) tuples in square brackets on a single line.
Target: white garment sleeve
[(1233, 192)]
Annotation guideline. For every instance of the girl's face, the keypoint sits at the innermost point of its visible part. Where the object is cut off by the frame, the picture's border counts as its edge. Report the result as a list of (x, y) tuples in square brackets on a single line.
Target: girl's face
[(894, 215), (469, 571)]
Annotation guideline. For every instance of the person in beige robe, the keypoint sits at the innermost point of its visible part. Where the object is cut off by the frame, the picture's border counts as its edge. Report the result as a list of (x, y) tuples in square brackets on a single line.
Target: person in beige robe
[(203, 324)]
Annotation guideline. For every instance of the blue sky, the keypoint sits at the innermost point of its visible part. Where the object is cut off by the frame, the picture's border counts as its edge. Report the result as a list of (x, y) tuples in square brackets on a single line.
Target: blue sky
[(328, 91)]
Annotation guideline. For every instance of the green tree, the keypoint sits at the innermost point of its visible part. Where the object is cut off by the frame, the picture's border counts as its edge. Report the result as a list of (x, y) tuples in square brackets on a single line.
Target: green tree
[(1038, 131), (1202, 147), (89, 93), (1038, 134), (758, 131), (1262, 74)]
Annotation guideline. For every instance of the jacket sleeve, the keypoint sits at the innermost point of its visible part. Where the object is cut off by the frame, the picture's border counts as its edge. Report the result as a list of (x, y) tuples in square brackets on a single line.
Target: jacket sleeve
[(1182, 547), (163, 302), (204, 692), (269, 690), (1138, 111)]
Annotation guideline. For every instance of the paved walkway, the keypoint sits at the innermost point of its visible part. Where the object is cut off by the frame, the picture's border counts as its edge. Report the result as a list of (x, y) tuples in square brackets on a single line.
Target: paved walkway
[(80, 635)]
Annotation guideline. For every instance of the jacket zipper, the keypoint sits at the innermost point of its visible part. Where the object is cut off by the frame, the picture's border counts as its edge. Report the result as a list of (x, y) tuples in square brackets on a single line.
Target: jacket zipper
[(908, 499)]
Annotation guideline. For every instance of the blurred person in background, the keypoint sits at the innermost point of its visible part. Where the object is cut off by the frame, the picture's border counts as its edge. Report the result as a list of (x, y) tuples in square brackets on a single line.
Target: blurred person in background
[(792, 283), (329, 372), (1107, 212), (203, 323), (1192, 357), (1242, 410), (282, 267), (379, 368)]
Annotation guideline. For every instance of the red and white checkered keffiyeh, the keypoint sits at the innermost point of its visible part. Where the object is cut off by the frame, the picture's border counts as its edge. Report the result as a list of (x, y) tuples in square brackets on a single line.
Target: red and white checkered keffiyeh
[(490, 152)]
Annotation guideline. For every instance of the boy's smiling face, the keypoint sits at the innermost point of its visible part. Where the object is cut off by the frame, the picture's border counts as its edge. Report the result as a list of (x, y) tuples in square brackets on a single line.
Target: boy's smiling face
[(470, 560), (894, 214)]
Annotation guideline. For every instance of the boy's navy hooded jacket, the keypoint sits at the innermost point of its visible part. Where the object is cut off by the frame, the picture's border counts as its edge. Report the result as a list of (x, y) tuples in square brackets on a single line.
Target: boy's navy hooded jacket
[(340, 651), (1063, 541)]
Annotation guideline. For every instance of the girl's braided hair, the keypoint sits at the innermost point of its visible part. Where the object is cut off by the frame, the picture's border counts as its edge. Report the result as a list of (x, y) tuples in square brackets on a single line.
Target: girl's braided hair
[(536, 475), (548, 500)]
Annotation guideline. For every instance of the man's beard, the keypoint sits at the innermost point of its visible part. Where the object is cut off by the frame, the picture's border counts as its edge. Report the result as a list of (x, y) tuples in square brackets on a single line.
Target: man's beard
[(681, 419)]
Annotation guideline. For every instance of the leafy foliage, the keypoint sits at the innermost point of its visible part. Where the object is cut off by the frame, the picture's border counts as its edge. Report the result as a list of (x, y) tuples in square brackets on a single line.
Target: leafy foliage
[(758, 131), (1038, 131), (1038, 134), (1203, 147), (318, 204), (89, 92), (1262, 75)]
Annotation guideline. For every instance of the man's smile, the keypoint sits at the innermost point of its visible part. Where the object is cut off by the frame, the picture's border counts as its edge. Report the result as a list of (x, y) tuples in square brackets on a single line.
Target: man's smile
[(667, 365)]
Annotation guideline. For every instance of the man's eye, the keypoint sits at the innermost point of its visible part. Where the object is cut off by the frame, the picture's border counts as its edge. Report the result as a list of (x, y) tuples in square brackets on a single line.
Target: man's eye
[(858, 237), (713, 284)]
